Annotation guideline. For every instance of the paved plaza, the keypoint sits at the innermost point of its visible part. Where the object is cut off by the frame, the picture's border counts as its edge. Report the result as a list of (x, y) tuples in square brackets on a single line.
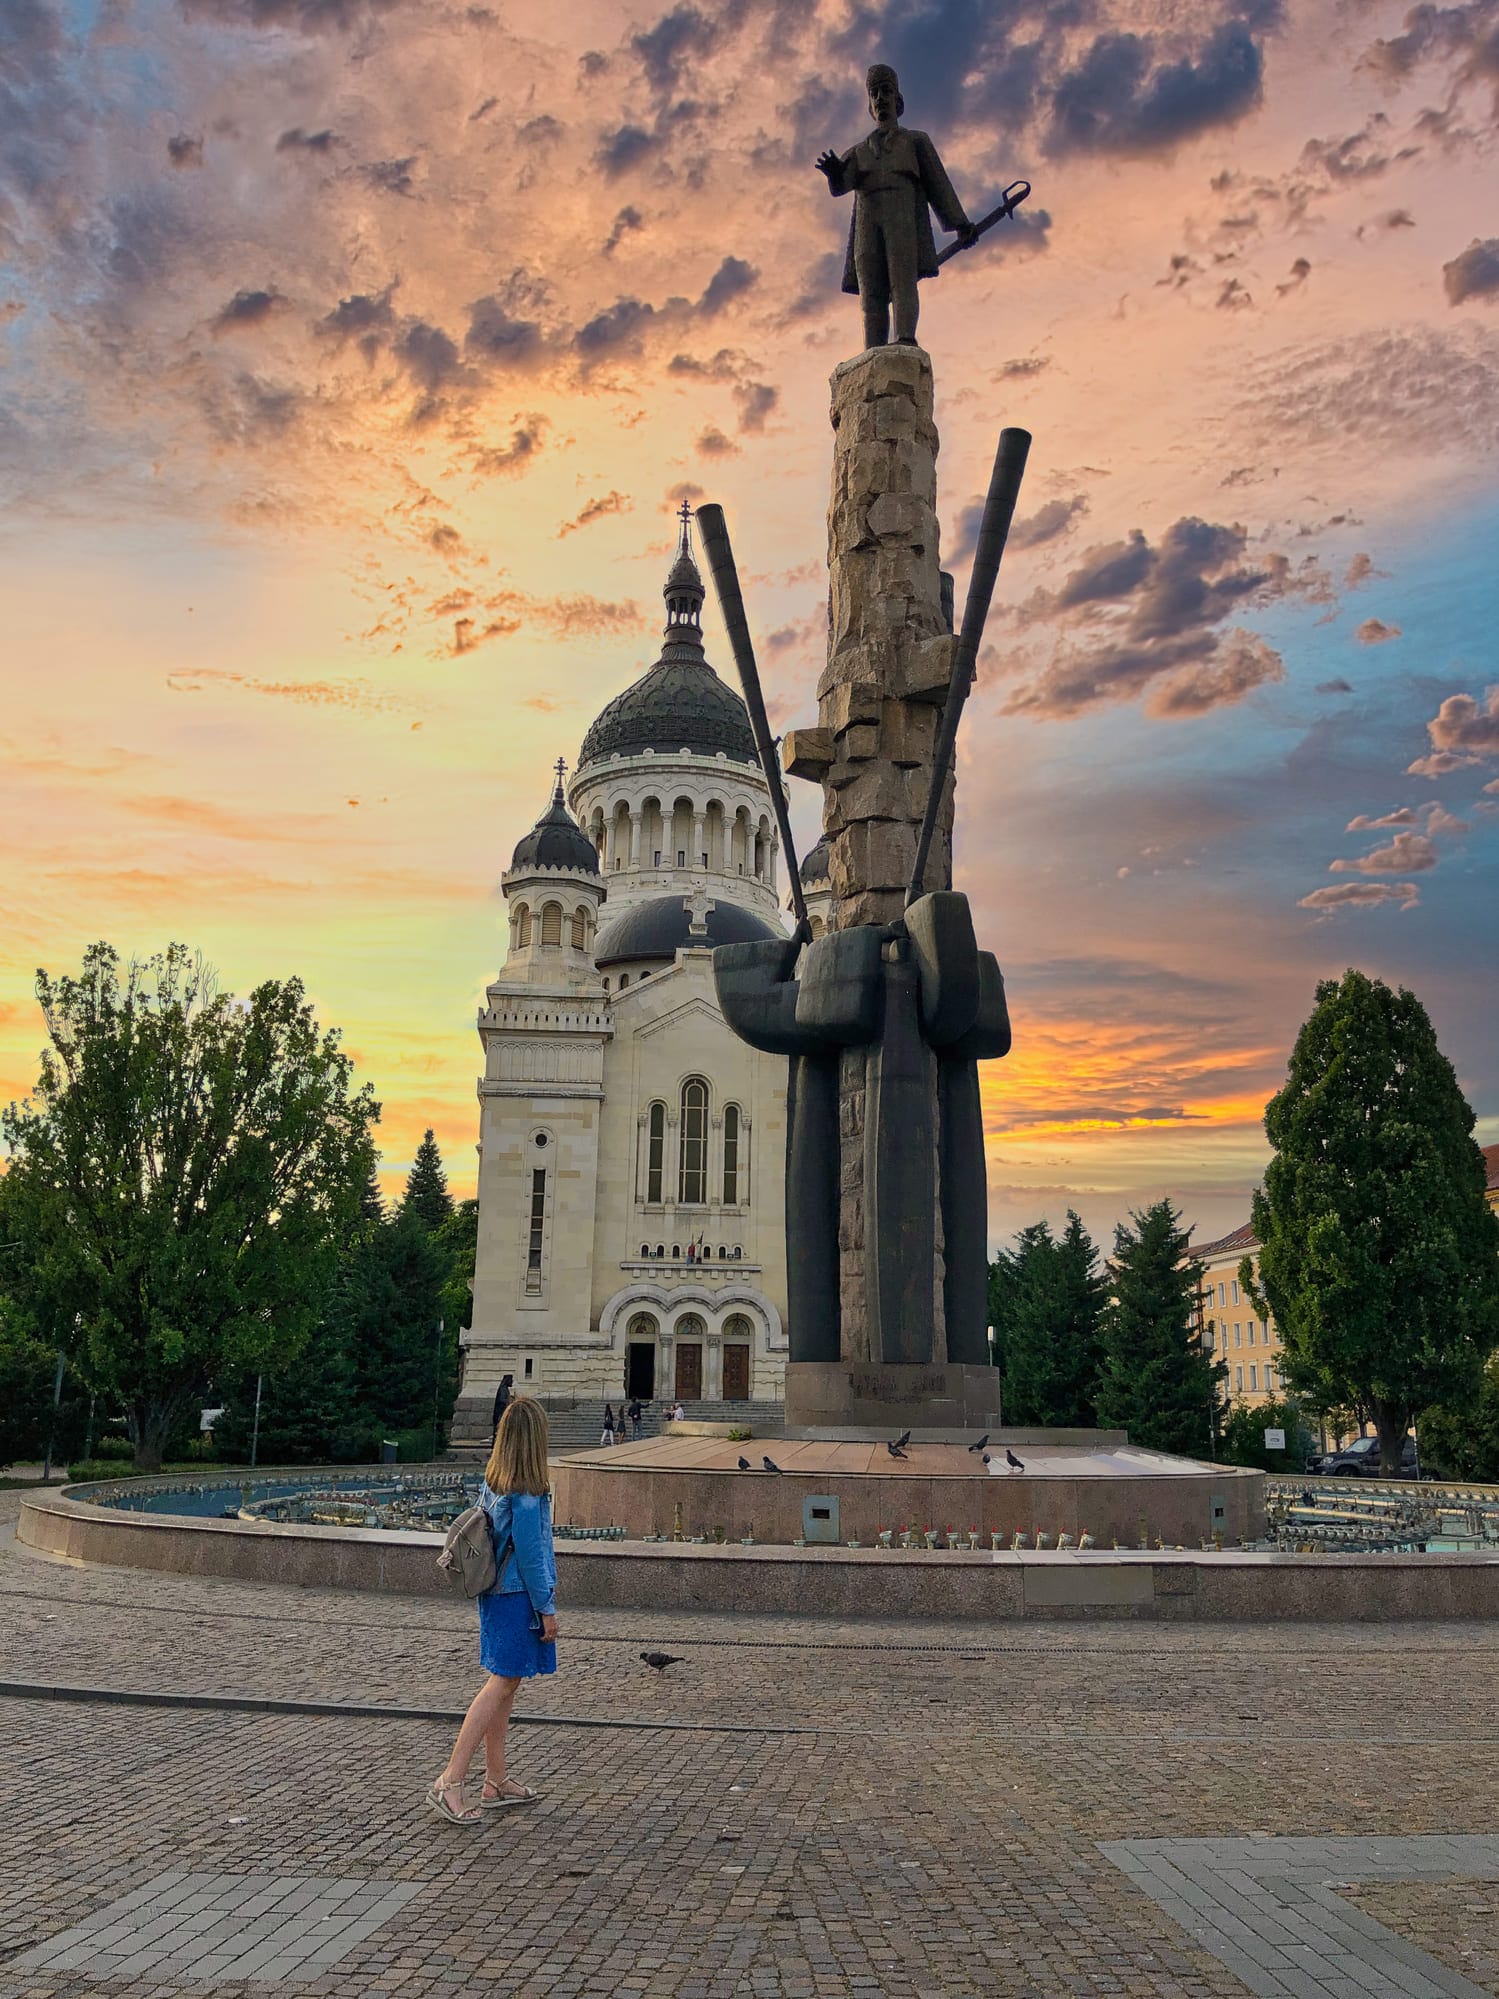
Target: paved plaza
[(799, 1808)]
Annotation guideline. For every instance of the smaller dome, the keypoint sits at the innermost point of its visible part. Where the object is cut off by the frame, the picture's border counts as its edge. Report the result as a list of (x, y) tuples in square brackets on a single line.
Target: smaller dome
[(818, 866), (662, 927), (556, 841)]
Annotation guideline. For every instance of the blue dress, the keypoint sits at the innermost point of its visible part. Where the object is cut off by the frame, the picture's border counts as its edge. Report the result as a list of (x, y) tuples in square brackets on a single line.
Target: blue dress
[(510, 1641)]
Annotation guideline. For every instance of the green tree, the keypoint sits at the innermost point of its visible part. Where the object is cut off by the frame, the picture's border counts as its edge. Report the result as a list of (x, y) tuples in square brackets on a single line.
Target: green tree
[(1157, 1382), (1046, 1297), (384, 1315), (1241, 1441), (28, 1376), (1463, 1442), (458, 1241), (309, 1414), (1379, 1255), (180, 1178), (371, 1202), (426, 1197)]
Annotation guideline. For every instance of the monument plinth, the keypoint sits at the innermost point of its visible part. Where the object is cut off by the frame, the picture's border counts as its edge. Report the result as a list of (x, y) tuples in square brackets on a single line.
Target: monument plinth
[(824, 1397)]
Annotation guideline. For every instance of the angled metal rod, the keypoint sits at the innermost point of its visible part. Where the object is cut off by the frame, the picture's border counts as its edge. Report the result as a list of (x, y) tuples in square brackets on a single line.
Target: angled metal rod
[(715, 536), (999, 511)]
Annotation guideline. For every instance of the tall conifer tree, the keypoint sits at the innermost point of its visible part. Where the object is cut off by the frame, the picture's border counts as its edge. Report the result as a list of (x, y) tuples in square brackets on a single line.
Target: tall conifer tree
[(1047, 1294), (426, 1196), (1379, 1254), (1157, 1382)]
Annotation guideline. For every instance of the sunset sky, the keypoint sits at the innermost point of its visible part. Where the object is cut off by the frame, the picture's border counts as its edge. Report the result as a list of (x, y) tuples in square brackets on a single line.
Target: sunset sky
[(354, 353)]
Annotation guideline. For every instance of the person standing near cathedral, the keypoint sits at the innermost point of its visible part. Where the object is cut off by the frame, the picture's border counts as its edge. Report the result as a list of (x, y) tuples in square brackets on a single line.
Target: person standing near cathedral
[(896, 179), (517, 1617)]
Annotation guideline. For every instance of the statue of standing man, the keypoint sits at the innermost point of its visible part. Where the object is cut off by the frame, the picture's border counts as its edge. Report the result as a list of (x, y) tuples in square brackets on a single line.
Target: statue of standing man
[(896, 180)]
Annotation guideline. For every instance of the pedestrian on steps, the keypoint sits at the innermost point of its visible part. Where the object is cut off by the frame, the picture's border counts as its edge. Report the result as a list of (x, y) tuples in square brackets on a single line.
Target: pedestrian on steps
[(501, 1402), (607, 1438)]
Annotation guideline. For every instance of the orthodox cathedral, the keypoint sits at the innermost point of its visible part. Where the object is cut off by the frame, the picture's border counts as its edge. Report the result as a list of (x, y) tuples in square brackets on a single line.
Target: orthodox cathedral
[(631, 1147)]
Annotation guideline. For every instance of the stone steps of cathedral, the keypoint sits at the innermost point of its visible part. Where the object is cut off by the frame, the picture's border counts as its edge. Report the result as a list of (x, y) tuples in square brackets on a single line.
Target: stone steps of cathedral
[(576, 1427)]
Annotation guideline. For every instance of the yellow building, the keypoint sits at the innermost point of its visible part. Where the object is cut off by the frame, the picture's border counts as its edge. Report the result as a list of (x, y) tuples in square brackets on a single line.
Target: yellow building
[(1232, 1330)]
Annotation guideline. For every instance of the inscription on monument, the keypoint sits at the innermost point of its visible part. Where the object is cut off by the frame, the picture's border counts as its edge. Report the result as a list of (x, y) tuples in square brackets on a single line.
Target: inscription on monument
[(877, 1384)]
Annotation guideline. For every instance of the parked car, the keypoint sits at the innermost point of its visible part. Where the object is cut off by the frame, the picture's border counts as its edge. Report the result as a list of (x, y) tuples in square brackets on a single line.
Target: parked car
[(1360, 1459)]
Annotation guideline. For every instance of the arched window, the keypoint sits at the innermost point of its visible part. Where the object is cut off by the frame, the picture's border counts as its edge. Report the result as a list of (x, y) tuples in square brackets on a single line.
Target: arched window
[(731, 1156), (676, 1252), (815, 924), (624, 980), (661, 1250), (738, 1251), (692, 1175), (522, 922), (551, 923), (580, 929), (655, 1153), (645, 1249)]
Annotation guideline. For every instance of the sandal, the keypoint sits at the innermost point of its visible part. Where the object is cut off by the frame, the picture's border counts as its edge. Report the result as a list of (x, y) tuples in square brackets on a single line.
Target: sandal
[(437, 1799), (506, 1797)]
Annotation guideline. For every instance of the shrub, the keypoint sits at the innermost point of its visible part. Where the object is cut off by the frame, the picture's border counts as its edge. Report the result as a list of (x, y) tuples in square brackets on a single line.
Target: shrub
[(740, 1436), (414, 1447), (89, 1471)]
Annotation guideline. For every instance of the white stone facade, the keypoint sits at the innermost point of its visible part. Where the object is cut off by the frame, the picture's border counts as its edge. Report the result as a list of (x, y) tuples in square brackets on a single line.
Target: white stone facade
[(632, 1148)]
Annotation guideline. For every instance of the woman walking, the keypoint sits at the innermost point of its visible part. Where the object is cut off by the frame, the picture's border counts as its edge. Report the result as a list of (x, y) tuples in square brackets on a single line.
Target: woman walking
[(606, 1436), (517, 1618)]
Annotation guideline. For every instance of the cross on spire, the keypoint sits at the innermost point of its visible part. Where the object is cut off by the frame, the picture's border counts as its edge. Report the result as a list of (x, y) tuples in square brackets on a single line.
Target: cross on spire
[(561, 769)]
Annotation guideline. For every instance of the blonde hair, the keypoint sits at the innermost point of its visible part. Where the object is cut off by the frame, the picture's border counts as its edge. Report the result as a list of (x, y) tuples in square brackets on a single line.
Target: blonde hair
[(518, 1462)]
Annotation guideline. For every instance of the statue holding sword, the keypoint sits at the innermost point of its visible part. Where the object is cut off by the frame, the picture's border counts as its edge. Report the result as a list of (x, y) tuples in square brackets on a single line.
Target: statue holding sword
[(897, 181)]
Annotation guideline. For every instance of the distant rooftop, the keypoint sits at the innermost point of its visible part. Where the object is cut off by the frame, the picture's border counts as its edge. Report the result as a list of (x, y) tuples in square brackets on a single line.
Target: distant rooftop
[(1242, 1237)]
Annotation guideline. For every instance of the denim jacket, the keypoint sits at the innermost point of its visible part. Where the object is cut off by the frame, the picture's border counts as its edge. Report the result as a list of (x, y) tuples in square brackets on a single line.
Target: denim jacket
[(525, 1518)]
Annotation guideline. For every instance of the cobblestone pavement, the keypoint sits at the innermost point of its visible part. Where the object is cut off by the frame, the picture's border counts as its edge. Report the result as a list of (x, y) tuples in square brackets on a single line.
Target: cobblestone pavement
[(1456, 1922), (937, 1833)]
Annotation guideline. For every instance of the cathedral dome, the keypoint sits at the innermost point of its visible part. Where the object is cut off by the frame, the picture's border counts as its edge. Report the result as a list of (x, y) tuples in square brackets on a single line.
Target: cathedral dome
[(680, 703), (818, 865), (556, 841), (660, 928)]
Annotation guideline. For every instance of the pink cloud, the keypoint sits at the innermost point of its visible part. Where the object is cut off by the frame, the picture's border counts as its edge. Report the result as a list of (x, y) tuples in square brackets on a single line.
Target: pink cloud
[(1407, 852), (1361, 895)]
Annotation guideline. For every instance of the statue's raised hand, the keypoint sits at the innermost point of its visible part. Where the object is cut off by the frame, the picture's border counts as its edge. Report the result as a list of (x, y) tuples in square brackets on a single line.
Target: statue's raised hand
[(829, 164)]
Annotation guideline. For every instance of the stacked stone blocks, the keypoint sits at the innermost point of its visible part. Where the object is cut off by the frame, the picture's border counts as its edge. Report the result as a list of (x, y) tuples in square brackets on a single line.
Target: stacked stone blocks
[(890, 649)]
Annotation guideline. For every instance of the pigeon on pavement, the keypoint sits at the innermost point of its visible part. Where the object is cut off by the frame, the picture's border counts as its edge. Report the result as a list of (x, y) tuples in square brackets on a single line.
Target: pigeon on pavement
[(981, 1444), (895, 1450), (659, 1661), (744, 1464), (770, 1464), (902, 1440), (1012, 1461)]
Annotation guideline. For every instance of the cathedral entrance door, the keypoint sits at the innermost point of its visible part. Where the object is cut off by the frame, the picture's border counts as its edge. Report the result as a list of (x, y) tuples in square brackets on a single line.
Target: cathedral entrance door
[(640, 1370), (736, 1373), (689, 1385)]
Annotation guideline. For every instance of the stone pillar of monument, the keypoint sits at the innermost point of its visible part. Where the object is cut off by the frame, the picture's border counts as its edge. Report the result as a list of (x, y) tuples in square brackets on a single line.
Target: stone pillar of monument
[(890, 656), (890, 648)]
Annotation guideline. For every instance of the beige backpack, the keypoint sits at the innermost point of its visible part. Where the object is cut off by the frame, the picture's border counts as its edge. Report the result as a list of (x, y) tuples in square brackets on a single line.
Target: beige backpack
[(468, 1558)]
